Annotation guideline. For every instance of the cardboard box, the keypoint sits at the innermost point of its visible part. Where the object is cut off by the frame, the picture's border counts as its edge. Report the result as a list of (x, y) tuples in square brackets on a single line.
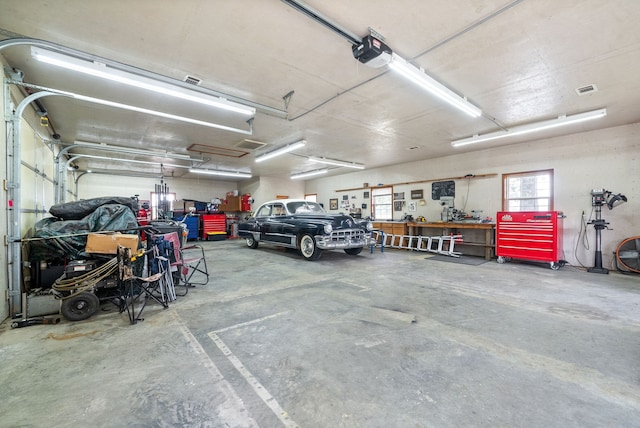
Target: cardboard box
[(183, 204), (102, 243)]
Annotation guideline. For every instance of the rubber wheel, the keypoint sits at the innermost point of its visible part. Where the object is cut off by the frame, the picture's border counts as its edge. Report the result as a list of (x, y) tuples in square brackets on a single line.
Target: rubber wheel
[(80, 306), (353, 251), (252, 243), (501, 259), (308, 247)]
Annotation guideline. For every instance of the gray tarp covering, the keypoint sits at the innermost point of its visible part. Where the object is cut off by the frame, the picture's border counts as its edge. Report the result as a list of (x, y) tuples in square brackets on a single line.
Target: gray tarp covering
[(80, 209), (60, 245)]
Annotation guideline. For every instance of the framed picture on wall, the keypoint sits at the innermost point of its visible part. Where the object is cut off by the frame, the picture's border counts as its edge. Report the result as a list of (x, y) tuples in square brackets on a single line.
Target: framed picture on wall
[(333, 204), (397, 205), (412, 206), (366, 194)]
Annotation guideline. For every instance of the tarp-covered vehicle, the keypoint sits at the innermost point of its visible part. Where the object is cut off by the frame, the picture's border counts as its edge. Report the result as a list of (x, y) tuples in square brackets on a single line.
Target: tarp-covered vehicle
[(61, 241)]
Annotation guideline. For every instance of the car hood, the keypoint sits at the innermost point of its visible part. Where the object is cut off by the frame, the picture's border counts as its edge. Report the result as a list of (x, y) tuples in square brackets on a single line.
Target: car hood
[(336, 220)]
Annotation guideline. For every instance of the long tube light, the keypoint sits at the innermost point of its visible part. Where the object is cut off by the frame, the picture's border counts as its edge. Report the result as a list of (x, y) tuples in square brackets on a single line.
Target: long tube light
[(309, 174), (419, 77), (78, 156), (337, 162), (101, 70), (156, 113), (221, 173), (532, 127), (132, 151), (281, 151)]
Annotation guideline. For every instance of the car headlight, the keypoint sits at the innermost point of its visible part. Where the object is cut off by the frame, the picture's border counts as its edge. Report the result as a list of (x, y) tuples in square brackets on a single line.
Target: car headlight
[(328, 229), (369, 226)]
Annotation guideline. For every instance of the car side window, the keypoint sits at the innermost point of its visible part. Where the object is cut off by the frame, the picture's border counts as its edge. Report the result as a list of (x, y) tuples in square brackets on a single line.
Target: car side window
[(264, 211), (278, 209)]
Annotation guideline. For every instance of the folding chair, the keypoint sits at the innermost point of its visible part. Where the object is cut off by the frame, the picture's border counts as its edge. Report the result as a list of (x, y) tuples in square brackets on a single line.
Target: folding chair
[(137, 291), (185, 261)]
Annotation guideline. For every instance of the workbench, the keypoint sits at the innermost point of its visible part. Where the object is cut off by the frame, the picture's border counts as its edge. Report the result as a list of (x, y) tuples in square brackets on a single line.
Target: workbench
[(447, 228)]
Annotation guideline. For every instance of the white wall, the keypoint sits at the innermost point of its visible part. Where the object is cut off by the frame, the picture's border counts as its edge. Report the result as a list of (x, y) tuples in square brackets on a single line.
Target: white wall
[(267, 188), (96, 185), (606, 159)]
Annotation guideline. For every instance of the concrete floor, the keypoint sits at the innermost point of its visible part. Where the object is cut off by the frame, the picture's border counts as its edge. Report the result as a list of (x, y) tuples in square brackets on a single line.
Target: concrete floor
[(274, 340)]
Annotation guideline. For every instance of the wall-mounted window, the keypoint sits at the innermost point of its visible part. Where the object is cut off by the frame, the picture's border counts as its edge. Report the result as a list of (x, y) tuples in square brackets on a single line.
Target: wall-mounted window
[(161, 204), (528, 191), (382, 203)]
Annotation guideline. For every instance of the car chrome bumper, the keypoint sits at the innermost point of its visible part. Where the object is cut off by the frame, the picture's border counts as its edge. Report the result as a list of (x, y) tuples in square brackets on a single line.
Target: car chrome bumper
[(343, 243)]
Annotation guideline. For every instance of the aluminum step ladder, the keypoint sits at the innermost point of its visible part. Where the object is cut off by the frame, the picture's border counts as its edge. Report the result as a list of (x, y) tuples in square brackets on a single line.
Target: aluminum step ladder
[(443, 244)]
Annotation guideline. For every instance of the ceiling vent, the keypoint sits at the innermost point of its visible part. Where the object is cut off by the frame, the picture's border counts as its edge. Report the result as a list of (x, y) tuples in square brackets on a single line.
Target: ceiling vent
[(193, 80), (587, 89), (250, 145)]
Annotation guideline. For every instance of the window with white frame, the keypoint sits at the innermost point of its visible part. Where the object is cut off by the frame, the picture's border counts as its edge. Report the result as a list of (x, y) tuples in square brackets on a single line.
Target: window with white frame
[(382, 203), (161, 204), (528, 191)]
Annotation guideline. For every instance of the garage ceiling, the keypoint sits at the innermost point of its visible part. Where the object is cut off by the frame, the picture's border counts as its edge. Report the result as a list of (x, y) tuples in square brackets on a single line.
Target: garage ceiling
[(519, 61)]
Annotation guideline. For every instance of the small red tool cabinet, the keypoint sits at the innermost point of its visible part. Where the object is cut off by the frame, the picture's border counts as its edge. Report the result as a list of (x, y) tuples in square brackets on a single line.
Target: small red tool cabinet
[(214, 227), (530, 235)]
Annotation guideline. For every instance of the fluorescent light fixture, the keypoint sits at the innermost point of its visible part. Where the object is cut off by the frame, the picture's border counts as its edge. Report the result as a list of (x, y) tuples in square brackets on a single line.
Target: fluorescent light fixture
[(105, 72), (532, 127), (281, 151), (78, 156), (132, 151), (221, 173), (420, 78), (337, 162), (155, 113), (309, 174)]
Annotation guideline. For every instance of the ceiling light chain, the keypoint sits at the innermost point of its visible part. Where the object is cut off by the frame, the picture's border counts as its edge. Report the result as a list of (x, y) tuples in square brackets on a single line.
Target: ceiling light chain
[(287, 99)]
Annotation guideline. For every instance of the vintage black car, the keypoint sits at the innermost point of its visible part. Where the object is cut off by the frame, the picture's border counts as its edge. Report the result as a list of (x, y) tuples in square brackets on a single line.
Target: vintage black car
[(306, 226)]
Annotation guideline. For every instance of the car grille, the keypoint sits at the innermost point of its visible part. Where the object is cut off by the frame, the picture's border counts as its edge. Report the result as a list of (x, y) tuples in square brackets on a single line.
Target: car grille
[(347, 234)]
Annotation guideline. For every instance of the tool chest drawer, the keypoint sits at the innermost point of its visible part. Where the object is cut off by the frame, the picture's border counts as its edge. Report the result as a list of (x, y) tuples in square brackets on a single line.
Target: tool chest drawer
[(530, 235)]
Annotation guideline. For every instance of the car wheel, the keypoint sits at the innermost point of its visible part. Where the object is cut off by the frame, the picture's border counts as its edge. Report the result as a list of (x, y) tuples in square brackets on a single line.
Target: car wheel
[(353, 251), (308, 247), (80, 306), (252, 243)]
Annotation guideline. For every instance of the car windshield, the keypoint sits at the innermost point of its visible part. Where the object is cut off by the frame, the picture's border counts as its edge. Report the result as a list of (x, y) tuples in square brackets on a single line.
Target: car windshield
[(305, 207)]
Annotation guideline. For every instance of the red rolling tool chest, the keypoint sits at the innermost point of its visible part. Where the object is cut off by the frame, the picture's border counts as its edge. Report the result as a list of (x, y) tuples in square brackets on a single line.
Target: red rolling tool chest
[(214, 227), (530, 235)]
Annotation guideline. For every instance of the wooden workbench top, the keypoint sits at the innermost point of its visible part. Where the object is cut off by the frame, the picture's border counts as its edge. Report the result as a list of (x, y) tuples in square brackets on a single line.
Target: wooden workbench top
[(452, 225)]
